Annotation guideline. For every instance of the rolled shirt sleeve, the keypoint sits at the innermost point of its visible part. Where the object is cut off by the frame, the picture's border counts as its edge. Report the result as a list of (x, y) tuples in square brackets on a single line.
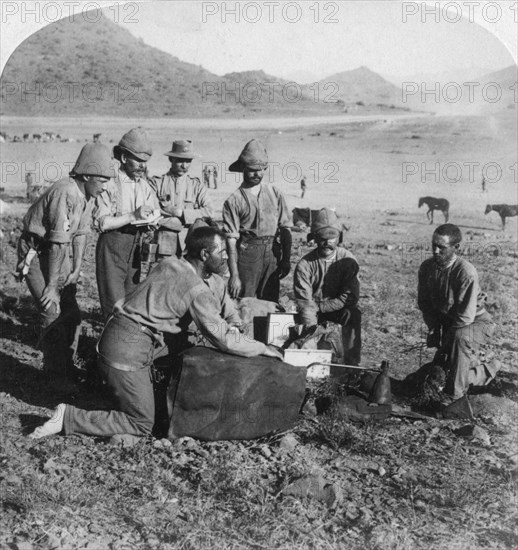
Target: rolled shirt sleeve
[(201, 206), (284, 213), (303, 289), (105, 206), (231, 218), (204, 310)]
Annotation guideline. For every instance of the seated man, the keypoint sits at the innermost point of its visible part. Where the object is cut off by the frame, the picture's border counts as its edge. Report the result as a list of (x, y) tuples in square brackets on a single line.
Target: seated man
[(452, 305), (145, 326), (326, 285)]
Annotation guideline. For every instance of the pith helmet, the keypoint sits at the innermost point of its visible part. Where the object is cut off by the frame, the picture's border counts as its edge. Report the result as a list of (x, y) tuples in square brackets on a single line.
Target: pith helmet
[(252, 157), (326, 225), (95, 159), (137, 143), (182, 149)]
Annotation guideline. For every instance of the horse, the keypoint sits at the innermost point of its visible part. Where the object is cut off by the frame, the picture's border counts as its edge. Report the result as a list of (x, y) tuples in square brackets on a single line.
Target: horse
[(435, 204), (505, 211)]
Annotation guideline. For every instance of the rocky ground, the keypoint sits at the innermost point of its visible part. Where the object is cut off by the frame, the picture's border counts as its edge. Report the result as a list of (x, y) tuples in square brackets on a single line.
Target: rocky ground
[(329, 483)]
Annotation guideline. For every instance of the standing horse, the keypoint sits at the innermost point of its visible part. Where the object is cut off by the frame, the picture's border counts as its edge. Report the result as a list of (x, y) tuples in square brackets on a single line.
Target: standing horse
[(435, 204), (505, 211)]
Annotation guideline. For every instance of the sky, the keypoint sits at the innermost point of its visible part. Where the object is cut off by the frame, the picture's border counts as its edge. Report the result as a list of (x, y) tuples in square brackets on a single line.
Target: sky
[(314, 39)]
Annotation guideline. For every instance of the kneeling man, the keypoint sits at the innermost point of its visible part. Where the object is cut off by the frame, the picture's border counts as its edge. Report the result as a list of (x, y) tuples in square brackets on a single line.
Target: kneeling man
[(146, 326), (452, 305), (326, 285)]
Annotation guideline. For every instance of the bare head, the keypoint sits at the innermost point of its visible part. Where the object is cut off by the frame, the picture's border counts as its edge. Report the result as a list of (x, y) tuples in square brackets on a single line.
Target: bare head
[(208, 246), (446, 243)]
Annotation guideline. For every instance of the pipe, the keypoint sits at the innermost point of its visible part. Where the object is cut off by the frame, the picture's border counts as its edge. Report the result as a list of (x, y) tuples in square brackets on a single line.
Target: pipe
[(343, 366)]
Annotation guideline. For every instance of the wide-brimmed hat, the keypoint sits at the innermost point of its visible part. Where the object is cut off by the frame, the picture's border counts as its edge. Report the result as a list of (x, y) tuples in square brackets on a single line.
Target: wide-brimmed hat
[(252, 157), (182, 149), (95, 159), (136, 142), (326, 225)]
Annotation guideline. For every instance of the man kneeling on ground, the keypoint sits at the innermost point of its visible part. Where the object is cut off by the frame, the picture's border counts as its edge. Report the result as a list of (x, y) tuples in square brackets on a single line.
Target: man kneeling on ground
[(143, 328), (326, 285), (452, 305)]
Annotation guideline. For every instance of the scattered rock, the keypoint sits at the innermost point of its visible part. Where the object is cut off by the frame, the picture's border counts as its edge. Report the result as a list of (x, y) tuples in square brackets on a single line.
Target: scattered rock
[(53, 542), (309, 486), (53, 467), (474, 432), (288, 443), (333, 496), (419, 504), (499, 410), (124, 440), (265, 451), (95, 528)]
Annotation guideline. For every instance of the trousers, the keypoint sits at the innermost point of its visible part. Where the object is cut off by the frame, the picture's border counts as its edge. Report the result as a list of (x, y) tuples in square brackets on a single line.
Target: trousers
[(351, 321), (459, 347), (127, 351), (117, 266), (257, 266), (59, 327)]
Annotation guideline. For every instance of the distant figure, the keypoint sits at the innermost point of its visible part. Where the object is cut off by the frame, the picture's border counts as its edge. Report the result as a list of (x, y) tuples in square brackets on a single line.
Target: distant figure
[(483, 184), (210, 171), (97, 138), (435, 204), (29, 181), (505, 211), (303, 187), (207, 172)]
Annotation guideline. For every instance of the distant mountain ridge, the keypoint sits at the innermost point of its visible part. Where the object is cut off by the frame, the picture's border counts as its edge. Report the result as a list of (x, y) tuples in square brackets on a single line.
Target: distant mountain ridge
[(80, 68), (361, 83)]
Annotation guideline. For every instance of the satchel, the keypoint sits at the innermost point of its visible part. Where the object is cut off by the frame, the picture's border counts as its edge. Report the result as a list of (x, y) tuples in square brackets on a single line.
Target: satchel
[(216, 396)]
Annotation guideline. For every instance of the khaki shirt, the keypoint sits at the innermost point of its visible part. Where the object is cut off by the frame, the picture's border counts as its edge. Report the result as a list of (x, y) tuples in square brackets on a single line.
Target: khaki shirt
[(322, 286), (451, 295), (60, 214), (260, 216), (123, 196), (172, 295), (188, 194)]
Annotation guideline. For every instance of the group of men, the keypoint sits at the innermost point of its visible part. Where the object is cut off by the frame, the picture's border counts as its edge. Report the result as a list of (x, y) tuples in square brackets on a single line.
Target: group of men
[(147, 317)]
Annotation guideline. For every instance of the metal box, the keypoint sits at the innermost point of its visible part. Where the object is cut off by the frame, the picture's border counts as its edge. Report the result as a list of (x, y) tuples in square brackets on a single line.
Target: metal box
[(304, 357)]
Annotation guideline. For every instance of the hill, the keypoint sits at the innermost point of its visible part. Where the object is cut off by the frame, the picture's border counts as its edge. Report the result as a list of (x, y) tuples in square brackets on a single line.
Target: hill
[(360, 86), (81, 68)]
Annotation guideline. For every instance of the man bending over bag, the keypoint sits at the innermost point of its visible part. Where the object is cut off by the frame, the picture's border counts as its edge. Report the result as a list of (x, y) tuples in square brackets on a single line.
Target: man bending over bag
[(142, 329)]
